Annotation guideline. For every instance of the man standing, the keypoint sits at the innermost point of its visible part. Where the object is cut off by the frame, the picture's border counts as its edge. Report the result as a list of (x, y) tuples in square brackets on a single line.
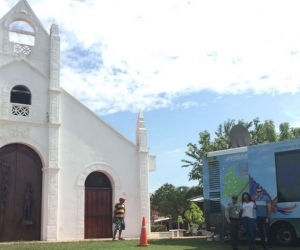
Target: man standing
[(263, 211), (119, 214), (232, 215)]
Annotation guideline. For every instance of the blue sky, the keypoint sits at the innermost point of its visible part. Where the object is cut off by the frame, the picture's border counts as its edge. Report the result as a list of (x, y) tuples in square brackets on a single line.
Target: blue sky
[(171, 129), (189, 65)]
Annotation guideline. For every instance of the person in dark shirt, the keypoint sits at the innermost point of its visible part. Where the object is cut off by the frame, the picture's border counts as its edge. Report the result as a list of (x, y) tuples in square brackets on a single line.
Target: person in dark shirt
[(119, 214)]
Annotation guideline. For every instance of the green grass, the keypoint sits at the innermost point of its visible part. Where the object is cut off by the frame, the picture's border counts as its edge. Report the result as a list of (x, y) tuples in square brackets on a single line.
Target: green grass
[(162, 244)]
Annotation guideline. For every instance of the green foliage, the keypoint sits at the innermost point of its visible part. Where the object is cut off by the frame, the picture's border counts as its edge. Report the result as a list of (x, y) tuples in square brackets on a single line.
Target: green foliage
[(295, 132), (285, 132), (193, 215), (194, 191), (171, 201), (158, 228), (260, 133)]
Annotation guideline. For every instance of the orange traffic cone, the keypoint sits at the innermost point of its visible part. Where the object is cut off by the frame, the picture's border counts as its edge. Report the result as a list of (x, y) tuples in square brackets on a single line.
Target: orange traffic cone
[(143, 237)]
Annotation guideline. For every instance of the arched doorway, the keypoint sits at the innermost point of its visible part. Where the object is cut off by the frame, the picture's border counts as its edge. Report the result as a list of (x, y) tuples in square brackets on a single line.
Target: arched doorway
[(20, 193), (98, 206)]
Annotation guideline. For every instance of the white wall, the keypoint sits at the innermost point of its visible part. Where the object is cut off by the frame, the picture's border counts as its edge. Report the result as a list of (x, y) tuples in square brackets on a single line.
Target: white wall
[(34, 81), (86, 140)]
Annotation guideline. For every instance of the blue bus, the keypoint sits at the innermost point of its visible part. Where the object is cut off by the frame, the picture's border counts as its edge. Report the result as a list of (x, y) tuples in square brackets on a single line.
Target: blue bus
[(274, 166)]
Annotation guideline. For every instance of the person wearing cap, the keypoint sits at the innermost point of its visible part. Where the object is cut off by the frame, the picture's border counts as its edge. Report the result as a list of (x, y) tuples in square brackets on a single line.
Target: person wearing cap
[(119, 214), (232, 215)]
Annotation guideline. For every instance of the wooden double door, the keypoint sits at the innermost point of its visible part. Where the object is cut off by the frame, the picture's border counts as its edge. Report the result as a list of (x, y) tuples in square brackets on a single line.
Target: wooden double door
[(98, 206), (20, 193)]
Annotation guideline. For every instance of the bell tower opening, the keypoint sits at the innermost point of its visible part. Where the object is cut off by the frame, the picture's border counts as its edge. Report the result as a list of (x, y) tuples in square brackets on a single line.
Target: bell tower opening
[(22, 34)]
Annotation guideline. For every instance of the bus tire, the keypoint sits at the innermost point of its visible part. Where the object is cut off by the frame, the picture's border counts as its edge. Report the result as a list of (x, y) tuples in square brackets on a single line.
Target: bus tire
[(284, 234)]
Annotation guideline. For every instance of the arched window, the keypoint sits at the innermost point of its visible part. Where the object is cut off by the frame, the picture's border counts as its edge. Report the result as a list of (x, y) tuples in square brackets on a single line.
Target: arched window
[(20, 94), (97, 180)]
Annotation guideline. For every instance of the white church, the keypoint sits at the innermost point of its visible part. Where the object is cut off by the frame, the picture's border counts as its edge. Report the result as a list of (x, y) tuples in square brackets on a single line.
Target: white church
[(62, 168)]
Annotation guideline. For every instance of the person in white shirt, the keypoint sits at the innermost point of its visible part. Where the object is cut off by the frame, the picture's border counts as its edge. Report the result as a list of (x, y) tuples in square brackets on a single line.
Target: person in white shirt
[(247, 208)]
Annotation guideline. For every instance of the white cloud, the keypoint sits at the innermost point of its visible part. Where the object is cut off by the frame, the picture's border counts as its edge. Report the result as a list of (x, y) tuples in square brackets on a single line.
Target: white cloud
[(189, 104), (131, 54)]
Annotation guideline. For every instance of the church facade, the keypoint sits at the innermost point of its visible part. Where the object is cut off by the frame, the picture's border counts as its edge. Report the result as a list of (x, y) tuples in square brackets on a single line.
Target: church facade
[(62, 168)]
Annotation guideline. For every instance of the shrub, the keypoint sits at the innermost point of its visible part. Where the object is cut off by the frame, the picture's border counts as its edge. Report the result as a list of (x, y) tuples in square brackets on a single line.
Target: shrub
[(194, 217), (158, 228)]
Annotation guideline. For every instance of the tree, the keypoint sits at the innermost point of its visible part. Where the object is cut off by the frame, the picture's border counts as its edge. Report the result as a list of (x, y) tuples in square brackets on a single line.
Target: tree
[(260, 133), (194, 217), (194, 191), (170, 201)]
